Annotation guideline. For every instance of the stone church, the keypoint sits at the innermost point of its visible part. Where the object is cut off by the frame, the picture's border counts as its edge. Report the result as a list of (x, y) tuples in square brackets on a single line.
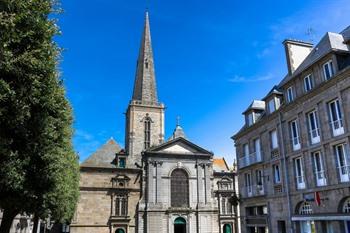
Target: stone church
[(154, 184)]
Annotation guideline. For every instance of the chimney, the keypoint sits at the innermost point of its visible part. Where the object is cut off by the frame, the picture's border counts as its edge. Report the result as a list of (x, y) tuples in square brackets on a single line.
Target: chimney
[(296, 52)]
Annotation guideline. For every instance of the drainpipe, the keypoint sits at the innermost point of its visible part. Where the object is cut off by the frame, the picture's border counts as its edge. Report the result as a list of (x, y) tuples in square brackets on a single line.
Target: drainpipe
[(285, 173), (197, 216)]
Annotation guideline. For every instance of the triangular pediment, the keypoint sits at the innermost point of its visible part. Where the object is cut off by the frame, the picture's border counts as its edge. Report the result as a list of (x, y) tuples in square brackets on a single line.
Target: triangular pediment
[(179, 146)]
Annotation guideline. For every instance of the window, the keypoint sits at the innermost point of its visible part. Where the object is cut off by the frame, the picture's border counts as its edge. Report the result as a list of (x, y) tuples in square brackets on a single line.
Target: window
[(248, 184), (257, 150), (290, 94), (343, 162), (305, 208), (276, 173), (259, 176), (250, 119), (318, 169), (328, 70), (299, 173), (226, 207), (295, 135), (147, 142), (346, 206), (308, 83), (274, 140), (272, 105), (313, 127), (336, 117), (121, 162), (179, 188), (121, 205)]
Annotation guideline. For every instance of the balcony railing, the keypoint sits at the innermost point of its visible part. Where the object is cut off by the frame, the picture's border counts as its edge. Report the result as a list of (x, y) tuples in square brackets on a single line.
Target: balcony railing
[(337, 127), (320, 178), (344, 173), (315, 136), (245, 161), (296, 143), (253, 190), (300, 182)]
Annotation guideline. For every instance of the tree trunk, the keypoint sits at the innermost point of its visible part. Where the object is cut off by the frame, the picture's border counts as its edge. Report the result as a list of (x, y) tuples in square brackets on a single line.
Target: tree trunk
[(36, 221), (7, 219)]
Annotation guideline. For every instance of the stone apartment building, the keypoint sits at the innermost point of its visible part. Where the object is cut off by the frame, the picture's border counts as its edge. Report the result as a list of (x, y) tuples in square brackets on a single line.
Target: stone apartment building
[(293, 151), (154, 185)]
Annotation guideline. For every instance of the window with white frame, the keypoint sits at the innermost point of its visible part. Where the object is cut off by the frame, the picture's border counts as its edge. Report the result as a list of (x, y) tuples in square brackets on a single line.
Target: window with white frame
[(272, 105), (290, 94), (308, 83), (276, 173), (318, 168), (294, 132), (299, 173), (274, 139), (305, 208), (314, 131), (336, 117), (328, 70), (257, 149), (342, 162)]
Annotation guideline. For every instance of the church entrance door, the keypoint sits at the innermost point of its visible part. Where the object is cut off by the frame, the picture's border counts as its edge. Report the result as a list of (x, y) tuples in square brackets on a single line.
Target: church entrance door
[(180, 225)]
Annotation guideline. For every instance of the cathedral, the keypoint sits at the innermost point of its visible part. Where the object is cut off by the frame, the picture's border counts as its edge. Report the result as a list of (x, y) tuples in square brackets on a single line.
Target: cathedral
[(154, 184)]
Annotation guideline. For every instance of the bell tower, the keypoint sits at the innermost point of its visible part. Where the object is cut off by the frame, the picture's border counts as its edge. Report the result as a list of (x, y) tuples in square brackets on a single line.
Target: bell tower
[(145, 114)]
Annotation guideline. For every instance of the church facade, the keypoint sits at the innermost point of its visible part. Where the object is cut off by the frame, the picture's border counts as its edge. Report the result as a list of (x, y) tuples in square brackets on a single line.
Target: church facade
[(153, 184)]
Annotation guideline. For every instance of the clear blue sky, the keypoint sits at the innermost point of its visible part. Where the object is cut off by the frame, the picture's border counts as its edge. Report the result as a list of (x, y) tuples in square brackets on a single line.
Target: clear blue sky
[(212, 58)]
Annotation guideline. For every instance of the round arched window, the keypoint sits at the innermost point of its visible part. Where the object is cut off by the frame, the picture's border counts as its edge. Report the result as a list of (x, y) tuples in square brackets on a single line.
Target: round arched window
[(305, 208), (120, 230), (227, 228), (179, 188), (346, 206)]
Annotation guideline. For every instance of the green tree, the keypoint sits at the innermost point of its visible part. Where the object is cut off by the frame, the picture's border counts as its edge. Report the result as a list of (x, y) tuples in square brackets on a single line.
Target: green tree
[(39, 171)]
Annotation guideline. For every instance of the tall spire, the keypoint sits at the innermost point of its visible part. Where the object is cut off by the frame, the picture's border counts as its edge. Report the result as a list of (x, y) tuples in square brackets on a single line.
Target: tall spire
[(145, 89)]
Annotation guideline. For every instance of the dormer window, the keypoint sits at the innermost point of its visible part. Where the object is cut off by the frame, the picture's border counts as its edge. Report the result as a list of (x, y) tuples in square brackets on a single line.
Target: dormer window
[(328, 70), (308, 83), (250, 119), (290, 94), (121, 162), (272, 106)]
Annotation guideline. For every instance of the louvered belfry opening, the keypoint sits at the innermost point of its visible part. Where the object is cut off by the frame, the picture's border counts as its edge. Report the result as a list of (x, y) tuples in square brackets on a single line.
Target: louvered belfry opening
[(179, 188)]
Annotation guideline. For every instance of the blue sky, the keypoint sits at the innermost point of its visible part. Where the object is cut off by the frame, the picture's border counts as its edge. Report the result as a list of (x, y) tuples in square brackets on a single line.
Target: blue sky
[(212, 58)]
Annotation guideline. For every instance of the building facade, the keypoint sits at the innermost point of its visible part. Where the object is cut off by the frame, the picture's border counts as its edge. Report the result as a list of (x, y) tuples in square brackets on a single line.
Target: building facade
[(293, 151), (154, 185)]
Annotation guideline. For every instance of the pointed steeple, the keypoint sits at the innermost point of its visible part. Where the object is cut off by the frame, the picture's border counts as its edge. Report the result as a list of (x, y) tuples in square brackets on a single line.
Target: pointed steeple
[(145, 89)]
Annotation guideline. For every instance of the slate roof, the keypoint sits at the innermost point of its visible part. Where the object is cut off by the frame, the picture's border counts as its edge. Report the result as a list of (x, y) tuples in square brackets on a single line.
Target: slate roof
[(219, 165), (256, 104), (104, 156), (145, 89), (274, 90), (329, 42)]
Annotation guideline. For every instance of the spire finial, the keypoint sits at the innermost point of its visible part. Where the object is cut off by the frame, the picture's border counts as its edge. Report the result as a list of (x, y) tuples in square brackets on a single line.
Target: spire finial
[(178, 121)]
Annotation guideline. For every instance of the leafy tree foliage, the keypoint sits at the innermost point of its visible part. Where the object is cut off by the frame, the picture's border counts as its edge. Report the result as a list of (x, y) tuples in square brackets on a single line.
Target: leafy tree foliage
[(39, 171)]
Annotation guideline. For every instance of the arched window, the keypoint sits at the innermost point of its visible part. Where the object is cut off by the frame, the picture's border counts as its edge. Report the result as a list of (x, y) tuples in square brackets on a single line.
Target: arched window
[(147, 127), (346, 206), (179, 188), (180, 225), (227, 228), (120, 231), (305, 208)]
